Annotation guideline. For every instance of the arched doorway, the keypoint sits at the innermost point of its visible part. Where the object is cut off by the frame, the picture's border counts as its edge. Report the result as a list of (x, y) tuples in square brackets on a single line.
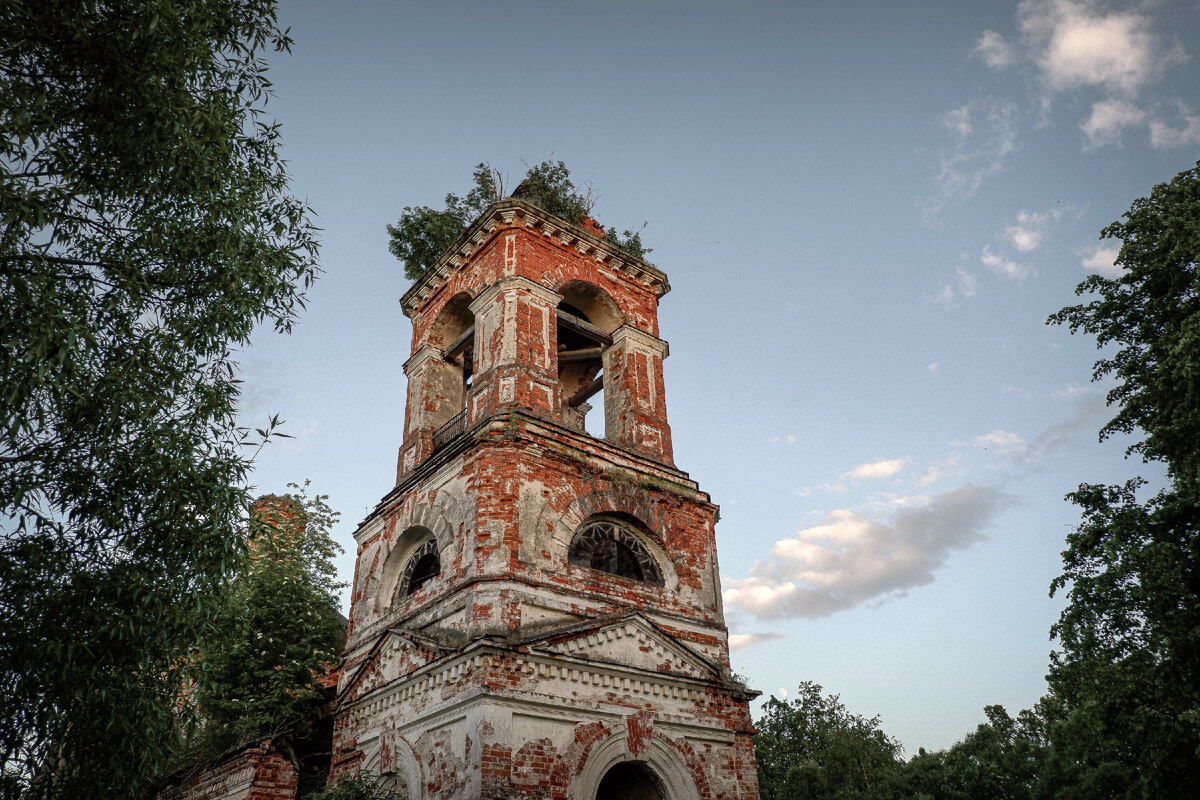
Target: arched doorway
[(629, 780)]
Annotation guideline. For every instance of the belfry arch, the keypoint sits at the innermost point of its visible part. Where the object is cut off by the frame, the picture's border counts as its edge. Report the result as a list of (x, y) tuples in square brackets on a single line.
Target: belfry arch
[(586, 318), (439, 376), (453, 332)]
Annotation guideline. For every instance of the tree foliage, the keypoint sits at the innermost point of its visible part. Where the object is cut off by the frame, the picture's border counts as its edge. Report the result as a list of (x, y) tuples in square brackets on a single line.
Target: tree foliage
[(1001, 760), (276, 631), (1127, 674), (813, 748), (357, 787), (423, 234), (1150, 315), (146, 229)]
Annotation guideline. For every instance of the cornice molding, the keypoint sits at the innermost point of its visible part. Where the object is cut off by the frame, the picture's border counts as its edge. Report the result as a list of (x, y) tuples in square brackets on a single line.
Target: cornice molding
[(557, 672), (517, 213)]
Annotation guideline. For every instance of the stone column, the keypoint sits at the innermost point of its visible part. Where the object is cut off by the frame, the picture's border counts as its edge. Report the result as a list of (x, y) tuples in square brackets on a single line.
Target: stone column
[(635, 408), (515, 339)]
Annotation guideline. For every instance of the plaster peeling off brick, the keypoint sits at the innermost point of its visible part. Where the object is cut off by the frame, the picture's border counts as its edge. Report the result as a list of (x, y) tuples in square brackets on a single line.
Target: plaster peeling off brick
[(516, 669)]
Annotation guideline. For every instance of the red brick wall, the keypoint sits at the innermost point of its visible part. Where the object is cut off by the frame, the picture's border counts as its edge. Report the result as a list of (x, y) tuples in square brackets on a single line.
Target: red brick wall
[(268, 772)]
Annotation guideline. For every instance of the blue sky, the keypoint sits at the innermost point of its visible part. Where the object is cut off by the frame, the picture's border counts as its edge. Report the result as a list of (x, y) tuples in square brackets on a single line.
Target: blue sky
[(866, 210)]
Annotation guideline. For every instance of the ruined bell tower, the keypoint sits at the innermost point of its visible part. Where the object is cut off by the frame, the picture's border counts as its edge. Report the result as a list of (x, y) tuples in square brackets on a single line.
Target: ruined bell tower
[(536, 609)]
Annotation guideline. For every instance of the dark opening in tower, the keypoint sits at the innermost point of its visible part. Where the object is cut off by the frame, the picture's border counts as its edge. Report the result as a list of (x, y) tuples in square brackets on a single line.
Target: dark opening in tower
[(454, 333), (587, 316)]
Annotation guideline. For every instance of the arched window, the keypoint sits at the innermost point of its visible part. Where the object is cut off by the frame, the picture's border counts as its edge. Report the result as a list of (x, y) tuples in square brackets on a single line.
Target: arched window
[(423, 566), (609, 545)]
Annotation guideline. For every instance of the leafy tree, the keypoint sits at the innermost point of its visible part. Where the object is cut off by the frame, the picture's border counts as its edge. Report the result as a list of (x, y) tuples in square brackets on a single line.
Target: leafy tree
[(1000, 760), (357, 787), (1127, 675), (629, 241), (548, 186), (145, 229), (423, 234), (814, 748), (263, 666)]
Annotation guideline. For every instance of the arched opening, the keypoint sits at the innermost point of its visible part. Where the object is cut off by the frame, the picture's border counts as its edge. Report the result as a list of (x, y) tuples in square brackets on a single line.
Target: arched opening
[(453, 332), (587, 316), (609, 544), (423, 565), (629, 780)]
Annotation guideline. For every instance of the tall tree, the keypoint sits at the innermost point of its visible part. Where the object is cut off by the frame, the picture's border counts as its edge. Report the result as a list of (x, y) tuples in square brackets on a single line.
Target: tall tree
[(264, 667), (145, 229), (1127, 675), (813, 748)]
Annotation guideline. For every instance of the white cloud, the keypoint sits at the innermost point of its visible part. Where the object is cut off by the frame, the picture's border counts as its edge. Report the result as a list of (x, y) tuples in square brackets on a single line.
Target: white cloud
[(1004, 267), (788, 439), (1020, 391), (933, 368), (1077, 44), (806, 491), (1003, 440), (1030, 230), (740, 641), (1101, 259), (1164, 136), (995, 51), (1085, 46), (876, 469), (964, 285), (932, 475), (1109, 120), (1070, 390), (1062, 437), (983, 133), (850, 559), (958, 121)]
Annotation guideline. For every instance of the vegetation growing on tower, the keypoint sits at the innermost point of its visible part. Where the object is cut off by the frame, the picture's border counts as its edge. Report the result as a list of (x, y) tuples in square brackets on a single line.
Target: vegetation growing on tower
[(423, 234)]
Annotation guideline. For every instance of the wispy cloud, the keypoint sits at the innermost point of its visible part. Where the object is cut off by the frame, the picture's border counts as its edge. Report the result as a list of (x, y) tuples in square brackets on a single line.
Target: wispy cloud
[(1030, 229), (995, 50), (850, 559), (1109, 120), (1101, 260), (1164, 136), (1002, 440), (963, 285), (982, 134), (1082, 47), (875, 469), (1023, 392), (740, 641), (1006, 267), (1062, 437), (1072, 390)]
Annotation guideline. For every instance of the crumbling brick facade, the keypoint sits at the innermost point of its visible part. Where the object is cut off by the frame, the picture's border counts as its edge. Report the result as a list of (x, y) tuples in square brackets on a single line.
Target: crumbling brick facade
[(536, 611), (255, 772)]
